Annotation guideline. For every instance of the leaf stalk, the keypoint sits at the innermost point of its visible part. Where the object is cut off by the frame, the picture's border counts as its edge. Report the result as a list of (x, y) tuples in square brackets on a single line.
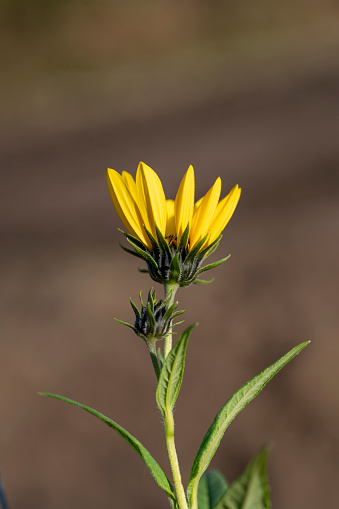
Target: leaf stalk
[(151, 343)]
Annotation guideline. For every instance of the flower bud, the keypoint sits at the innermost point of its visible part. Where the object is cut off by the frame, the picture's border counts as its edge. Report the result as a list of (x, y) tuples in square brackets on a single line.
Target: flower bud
[(154, 320)]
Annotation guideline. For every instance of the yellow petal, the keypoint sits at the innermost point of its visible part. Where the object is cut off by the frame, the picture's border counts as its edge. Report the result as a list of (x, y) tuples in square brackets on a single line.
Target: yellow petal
[(224, 212), (151, 199), (170, 225), (129, 181), (203, 216), (184, 202), (141, 199), (197, 204), (125, 206)]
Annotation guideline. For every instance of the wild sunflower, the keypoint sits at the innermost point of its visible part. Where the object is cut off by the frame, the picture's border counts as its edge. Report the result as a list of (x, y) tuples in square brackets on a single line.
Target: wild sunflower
[(172, 236)]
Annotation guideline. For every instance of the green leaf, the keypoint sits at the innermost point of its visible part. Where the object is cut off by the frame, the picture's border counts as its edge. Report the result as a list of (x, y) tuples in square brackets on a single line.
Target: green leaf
[(172, 373), (251, 490), (152, 464), (226, 415), (212, 488)]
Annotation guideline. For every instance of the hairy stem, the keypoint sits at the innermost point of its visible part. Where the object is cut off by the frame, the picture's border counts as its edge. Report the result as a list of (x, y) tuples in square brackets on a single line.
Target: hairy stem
[(170, 291), (173, 458)]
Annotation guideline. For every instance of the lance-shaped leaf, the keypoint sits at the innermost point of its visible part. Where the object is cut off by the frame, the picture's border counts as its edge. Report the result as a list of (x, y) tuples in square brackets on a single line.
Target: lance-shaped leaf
[(212, 488), (251, 490), (152, 464), (172, 373), (226, 415)]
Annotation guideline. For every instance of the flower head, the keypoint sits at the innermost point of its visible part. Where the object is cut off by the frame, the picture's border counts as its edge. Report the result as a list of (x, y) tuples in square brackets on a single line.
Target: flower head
[(162, 230)]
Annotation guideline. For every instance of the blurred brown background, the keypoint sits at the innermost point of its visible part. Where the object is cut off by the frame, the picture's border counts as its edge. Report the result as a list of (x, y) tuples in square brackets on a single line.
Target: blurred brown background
[(247, 90)]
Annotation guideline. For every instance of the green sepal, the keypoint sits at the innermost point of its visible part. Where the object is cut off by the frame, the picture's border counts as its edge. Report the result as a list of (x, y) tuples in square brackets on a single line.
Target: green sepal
[(144, 271), (155, 469), (172, 373), (205, 253), (203, 282), (150, 298), (134, 240), (177, 323), (170, 311), (131, 252), (212, 488), (163, 243), (212, 265), (251, 489), (153, 241), (125, 323), (226, 415), (135, 309), (150, 315), (146, 256), (178, 313), (195, 250), (184, 238), (175, 270)]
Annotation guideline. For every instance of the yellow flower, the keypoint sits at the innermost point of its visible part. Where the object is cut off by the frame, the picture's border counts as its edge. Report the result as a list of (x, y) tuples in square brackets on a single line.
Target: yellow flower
[(141, 205)]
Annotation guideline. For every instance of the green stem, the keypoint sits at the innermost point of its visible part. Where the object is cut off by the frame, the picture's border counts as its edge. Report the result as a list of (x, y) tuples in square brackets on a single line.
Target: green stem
[(151, 343), (173, 458), (171, 288)]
